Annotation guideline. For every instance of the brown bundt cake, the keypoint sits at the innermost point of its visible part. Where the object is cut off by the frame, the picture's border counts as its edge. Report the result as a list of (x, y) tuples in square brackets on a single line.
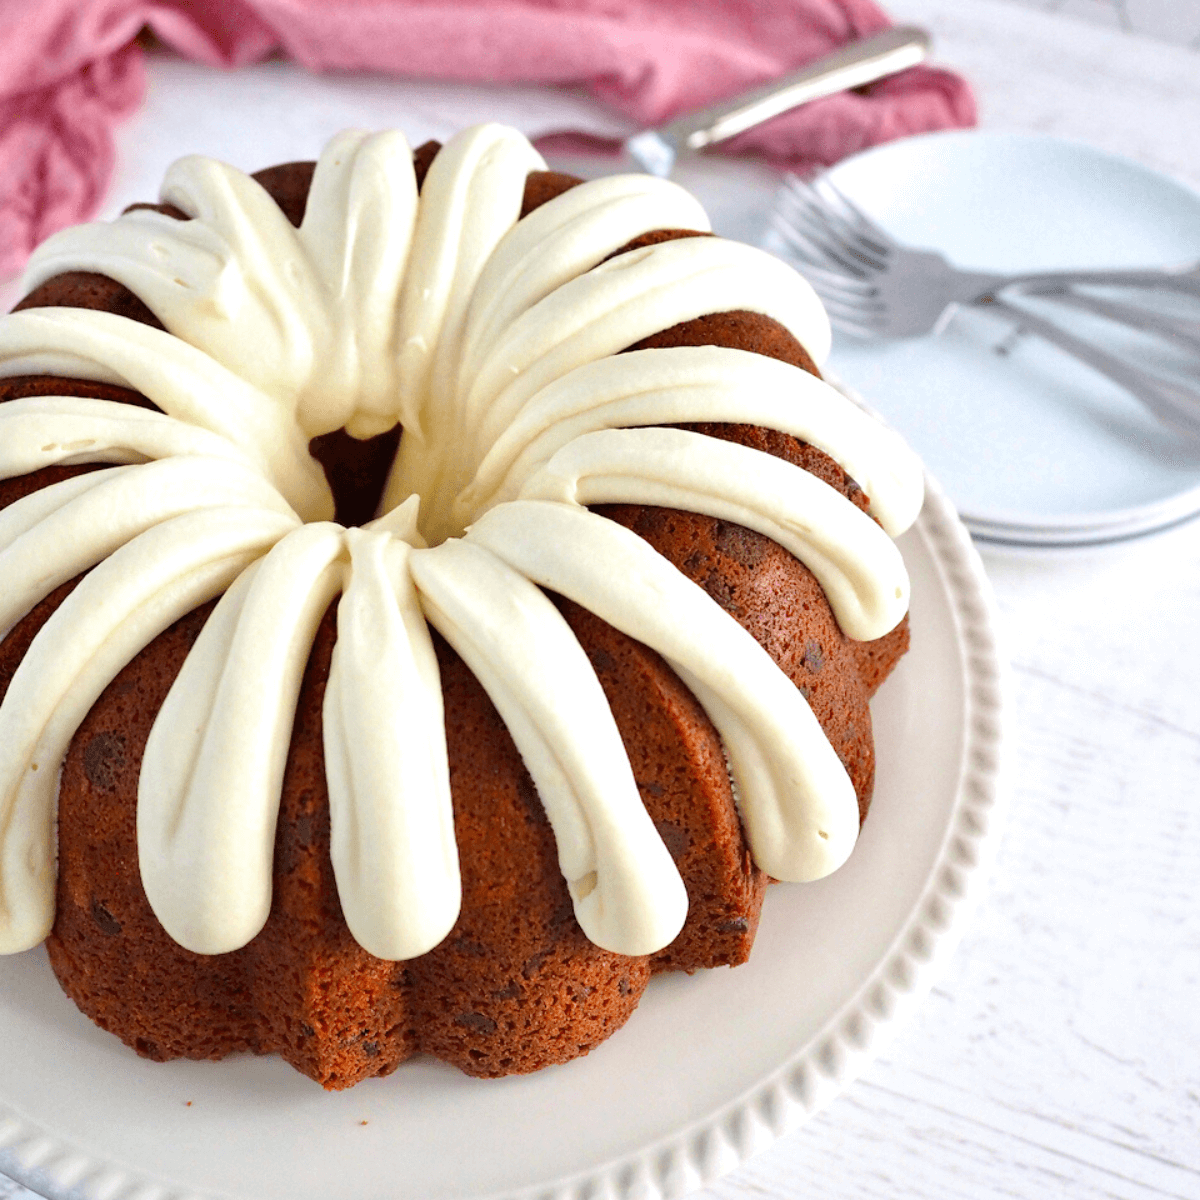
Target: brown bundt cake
[(580, 372)]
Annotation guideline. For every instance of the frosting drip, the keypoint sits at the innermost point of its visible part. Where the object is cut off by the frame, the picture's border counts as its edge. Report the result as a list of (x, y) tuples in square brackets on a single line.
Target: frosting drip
[(393, 849), (797, 801), (493, 342), (208, 794)]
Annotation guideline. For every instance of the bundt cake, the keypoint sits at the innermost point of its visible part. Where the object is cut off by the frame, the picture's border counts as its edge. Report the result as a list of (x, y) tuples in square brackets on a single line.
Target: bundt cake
[(438, 594)]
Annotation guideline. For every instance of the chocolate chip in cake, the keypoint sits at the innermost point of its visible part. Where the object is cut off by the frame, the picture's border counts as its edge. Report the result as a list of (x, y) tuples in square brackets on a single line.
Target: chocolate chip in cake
[(601, 659), (736, 925), (103, 758), (533, 963), (533, 807), (743, 545), (814, 657), (720, 590), (107, 923), (674, 838), (476, 1021)]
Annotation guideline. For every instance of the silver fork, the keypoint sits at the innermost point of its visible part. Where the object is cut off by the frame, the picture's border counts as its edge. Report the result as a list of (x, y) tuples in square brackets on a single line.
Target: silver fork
[(1174, 403), (874, 287)]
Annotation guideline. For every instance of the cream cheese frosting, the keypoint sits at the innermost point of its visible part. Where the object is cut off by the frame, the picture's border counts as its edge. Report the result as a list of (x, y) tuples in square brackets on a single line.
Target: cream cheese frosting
[(493, 342)]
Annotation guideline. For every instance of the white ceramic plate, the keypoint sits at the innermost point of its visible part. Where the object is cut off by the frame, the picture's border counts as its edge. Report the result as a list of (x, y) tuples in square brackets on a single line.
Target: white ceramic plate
[(1030, 445), (709, 1068)]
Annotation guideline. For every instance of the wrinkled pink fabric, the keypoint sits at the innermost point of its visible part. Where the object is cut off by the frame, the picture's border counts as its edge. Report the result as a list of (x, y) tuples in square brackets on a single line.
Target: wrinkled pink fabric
[(70, 72)]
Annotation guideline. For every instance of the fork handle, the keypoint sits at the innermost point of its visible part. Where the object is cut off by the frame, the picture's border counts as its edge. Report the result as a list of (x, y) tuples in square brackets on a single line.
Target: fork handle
[(1184, 279), (1185, 333), (860, 62), (1175, 405)]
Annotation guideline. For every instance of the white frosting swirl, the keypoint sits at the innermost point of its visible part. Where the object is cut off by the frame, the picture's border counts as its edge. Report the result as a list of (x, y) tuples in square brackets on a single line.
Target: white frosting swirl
[(705, 383), (181, 380), (493, 342), (303, 315), (121, 503)]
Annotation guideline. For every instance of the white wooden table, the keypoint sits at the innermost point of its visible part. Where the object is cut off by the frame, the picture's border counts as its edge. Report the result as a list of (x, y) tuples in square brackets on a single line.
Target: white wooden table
[(1060, 1055)]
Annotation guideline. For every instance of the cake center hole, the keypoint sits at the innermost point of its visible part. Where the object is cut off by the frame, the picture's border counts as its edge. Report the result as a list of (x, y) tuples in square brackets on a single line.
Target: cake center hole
[(357, 469)]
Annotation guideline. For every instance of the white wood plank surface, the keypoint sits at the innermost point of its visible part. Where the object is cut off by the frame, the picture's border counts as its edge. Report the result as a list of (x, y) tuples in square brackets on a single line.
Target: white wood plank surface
[(1060, 1055)]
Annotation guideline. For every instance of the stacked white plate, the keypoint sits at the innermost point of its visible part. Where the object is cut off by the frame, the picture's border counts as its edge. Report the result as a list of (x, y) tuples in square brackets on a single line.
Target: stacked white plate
[(1034, 448)]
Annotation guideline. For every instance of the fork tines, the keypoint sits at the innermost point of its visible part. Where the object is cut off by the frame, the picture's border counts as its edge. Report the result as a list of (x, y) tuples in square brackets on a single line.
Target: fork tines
[(838, 249), (843, 232)]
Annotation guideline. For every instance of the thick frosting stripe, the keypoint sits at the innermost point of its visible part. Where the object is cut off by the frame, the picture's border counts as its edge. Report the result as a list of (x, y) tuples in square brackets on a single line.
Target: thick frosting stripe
[(800, 810), (304, 315), (45, 431), (126, 502), (855, 562), (391, 822), (169, 763), (797, 801), (202, 278), (208, 796), (702, 383), (627, 299), (357, 234), (179, 379), (117, 610), (470, 198), (165, 262), (23, 515), (565, 237), (626, 890)]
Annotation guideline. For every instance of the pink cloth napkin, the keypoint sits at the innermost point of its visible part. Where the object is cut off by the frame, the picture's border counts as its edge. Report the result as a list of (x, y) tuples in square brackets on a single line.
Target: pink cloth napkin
[(71, 71)]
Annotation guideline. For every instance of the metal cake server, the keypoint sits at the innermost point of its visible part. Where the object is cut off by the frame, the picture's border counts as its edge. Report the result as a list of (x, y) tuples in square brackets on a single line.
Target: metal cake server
[(655, 150)]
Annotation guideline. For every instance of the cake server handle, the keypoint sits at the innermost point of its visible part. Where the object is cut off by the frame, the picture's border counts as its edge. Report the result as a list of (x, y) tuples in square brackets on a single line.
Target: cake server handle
[(655, 150)]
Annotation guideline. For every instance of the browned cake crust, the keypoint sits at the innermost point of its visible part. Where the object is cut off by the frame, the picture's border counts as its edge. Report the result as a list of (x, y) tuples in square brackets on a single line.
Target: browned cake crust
[(515, 986)]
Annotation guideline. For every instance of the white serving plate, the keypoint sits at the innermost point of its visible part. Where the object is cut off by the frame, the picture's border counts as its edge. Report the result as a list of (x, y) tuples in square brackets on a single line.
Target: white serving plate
[(709, 1068), (1030, 445)]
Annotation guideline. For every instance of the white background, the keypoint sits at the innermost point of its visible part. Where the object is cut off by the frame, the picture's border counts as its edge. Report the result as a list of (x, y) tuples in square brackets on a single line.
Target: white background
[(1172, 20)]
